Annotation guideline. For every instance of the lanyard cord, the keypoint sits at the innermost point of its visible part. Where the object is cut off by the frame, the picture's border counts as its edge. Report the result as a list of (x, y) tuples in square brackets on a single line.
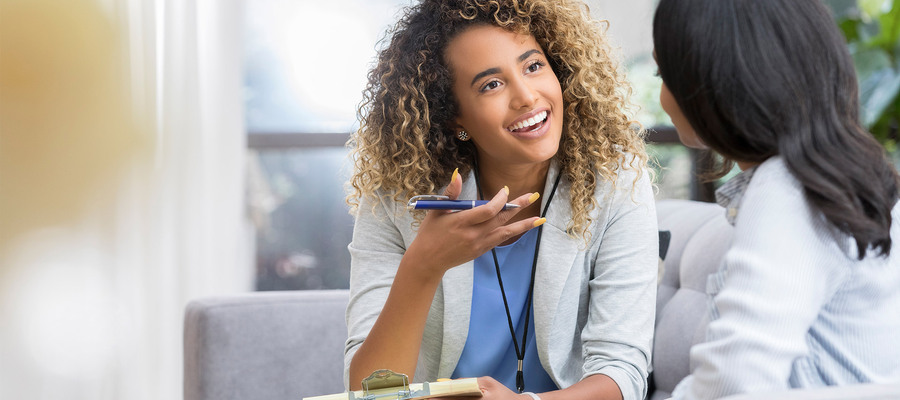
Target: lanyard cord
[(520, 353)]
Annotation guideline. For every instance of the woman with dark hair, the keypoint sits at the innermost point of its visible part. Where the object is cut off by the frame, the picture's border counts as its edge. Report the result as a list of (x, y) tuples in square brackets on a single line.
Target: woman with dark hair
[(809, 292), (502, 100)]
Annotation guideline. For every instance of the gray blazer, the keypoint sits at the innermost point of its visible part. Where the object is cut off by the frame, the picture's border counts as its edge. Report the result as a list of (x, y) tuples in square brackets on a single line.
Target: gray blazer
[(594, 304)]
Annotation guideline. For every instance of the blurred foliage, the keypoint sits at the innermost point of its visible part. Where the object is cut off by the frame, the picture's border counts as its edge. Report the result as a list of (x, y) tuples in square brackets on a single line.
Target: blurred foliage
[(872, 30), (645, 87), (671, 164)]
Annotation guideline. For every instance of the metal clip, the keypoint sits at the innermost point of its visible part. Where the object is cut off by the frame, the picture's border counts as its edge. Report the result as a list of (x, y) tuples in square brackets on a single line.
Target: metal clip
[(386, 379), (412, 201)]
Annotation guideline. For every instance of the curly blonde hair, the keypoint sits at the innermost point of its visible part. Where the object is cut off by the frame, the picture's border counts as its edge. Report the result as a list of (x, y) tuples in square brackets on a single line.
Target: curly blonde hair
[(406, 143)]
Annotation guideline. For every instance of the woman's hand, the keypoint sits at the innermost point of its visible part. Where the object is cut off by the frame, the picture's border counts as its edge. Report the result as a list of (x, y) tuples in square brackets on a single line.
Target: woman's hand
[(446, 239), (493, 390)]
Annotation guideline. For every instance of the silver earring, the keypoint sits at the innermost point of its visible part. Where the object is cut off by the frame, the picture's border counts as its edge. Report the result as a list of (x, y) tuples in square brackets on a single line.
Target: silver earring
[(463, 136)]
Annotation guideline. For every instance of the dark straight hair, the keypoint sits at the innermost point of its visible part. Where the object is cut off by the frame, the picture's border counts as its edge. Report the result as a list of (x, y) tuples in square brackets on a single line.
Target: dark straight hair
[(758, 78)]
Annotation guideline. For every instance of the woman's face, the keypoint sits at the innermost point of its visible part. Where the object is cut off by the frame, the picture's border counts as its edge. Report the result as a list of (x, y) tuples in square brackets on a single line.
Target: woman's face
[(510, 101), (686, 132)]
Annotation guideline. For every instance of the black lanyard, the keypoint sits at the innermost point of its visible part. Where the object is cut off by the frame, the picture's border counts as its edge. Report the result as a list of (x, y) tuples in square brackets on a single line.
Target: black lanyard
[(520, 352)]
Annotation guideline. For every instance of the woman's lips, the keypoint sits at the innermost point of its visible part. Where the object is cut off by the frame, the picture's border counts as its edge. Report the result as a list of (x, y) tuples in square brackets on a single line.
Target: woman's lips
[(534, 130), (529, 124)]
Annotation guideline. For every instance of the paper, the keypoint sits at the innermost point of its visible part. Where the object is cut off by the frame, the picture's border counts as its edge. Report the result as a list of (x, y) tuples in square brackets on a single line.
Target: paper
[(417, 391)]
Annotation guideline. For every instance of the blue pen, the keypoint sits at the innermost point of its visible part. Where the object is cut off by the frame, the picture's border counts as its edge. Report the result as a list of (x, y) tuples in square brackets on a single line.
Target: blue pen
[(437, 202)]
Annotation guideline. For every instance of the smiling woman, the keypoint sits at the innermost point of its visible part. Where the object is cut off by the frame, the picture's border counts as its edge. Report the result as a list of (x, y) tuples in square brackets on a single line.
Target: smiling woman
[(512, 101)]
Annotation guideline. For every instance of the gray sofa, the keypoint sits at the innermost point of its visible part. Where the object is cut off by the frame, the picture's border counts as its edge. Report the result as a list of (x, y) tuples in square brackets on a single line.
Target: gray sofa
[(287, 345)]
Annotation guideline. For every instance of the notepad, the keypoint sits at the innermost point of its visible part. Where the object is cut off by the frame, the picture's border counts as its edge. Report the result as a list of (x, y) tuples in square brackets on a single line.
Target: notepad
[(385, 384)]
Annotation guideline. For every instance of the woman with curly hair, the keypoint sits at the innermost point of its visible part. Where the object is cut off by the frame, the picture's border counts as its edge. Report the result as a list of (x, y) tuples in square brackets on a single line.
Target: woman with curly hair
[(507, 100), (809, 291)]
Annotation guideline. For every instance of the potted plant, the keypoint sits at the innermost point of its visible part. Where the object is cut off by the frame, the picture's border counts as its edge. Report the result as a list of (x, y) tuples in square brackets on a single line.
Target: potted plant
[(872, 30)]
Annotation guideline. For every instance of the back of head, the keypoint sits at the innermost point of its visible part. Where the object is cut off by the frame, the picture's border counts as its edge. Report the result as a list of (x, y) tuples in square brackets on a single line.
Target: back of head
[(762, 78)]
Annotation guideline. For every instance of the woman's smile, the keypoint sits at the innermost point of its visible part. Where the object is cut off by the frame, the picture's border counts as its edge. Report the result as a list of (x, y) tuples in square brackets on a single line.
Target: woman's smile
[(531, 125)]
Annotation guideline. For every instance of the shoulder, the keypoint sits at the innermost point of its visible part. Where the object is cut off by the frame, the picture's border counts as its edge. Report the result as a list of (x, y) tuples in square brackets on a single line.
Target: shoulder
[(379, 210), (773, 174), (631, 180), (377, 203), (625, 169), (629, 191), (774, 214), (774, 191)]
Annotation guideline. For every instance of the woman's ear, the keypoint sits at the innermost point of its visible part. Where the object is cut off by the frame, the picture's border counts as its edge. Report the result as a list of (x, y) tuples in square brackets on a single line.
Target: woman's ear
[(461, 133), (456, 125)]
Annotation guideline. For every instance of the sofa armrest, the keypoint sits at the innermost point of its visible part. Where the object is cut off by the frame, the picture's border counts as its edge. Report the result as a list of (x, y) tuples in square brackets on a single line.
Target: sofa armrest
[(265, 345)]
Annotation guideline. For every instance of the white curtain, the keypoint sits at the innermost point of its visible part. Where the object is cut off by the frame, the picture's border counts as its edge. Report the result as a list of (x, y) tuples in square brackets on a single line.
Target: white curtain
[(92, 308), (184, 234)]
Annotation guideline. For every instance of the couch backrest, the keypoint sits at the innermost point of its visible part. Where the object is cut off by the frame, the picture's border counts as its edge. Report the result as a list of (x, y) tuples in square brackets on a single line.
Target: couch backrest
[(265, 345), (700, 237)]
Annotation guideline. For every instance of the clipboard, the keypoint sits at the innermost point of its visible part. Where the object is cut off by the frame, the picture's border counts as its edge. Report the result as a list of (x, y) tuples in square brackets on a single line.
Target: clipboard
[(385, 384)]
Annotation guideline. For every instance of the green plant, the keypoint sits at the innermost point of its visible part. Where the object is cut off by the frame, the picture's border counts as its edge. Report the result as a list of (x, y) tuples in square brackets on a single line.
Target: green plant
[(872, 30)]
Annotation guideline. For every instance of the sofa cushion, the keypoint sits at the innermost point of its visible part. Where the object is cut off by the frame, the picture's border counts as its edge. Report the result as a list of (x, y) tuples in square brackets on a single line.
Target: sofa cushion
[(700, 237)]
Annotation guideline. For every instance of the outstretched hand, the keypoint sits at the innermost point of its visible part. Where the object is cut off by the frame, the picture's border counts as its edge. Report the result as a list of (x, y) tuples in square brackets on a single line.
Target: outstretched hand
[(447, 238)]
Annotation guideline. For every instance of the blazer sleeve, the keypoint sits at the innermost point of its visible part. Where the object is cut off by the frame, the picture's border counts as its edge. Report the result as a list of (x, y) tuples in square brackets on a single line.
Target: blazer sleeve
[(375, 252), (617, 338)]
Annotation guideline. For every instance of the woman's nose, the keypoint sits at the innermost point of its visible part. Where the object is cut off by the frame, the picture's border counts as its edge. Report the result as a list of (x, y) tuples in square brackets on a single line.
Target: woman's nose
[(524, 96)]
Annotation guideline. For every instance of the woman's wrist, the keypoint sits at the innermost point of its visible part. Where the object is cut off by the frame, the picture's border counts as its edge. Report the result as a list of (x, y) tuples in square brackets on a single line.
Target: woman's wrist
[(418, 274), (531, 396)]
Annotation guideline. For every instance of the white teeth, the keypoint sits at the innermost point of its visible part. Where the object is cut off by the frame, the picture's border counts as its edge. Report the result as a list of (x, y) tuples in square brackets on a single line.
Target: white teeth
[(529, 122)]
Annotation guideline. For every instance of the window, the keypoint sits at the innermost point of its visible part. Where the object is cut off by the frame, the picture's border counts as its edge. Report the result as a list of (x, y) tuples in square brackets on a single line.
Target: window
[(305, 67)]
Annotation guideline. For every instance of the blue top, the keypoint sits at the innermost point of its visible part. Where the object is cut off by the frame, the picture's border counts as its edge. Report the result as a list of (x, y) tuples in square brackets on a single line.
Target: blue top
[(489, 349)]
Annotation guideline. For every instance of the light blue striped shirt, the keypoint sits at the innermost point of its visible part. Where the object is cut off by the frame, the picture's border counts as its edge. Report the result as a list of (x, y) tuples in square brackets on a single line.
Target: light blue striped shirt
[(791, 306)]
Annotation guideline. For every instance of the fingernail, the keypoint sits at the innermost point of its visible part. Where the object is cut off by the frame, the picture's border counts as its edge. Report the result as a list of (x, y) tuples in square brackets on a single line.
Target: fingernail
[(539, 222), (506, 189), (534, 196), (455, 175)]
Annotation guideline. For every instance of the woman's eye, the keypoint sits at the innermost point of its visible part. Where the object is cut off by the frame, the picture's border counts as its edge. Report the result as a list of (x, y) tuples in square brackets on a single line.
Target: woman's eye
[(533, 67), (490, 86)]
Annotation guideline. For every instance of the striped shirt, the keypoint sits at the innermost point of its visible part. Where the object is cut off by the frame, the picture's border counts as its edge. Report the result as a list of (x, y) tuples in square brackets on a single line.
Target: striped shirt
[(791, 305)]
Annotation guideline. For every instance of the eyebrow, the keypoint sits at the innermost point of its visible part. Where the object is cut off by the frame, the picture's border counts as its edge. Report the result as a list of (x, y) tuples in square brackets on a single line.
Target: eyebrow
[(482, 74), (495, 70), (527, 54)]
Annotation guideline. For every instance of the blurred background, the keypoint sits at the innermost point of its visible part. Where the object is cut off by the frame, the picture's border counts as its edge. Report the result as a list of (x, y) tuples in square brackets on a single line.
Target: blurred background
[(157, 151)]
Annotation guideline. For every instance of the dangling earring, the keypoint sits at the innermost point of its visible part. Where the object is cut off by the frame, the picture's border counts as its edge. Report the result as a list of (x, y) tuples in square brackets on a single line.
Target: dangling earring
[(463, 136)]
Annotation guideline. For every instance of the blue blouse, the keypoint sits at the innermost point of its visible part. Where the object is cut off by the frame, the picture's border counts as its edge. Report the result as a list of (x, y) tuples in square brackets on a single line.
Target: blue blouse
[(489, 349)]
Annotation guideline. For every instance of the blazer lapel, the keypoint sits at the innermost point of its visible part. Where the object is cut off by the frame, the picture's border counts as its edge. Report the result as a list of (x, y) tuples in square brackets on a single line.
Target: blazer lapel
[(555, 259)]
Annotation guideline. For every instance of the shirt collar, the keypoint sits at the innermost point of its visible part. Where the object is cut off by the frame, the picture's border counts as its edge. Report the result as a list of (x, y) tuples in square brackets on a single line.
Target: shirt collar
[(729, 195)]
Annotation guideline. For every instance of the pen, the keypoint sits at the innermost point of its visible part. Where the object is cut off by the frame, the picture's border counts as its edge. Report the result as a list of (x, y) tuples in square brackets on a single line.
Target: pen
[(434, 202)]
